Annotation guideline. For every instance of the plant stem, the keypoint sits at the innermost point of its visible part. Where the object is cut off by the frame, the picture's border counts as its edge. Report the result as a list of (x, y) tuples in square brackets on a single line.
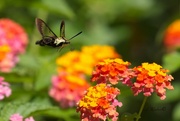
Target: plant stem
[(109, 119), (141, 109)]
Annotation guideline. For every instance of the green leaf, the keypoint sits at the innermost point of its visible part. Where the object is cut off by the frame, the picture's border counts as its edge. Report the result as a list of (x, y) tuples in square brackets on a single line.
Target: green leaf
[(28, 61), (14, 77), (27, 65), (66, 114), (172, 61), (45, 73), (176, 112), (24, 108), (128, 116), (56, 6)]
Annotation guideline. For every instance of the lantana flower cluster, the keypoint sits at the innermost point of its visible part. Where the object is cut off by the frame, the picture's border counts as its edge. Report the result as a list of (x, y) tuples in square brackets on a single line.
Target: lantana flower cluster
[(112, 70), (18, 117), (69, 85), (67, 89), (147, 78), (151, 78), (5, 90), (83, 61), (99, 103), (172, 35), (13, 41)]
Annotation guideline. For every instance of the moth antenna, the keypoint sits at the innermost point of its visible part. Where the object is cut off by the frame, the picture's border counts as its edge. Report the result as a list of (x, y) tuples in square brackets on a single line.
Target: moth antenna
[(75, 35)]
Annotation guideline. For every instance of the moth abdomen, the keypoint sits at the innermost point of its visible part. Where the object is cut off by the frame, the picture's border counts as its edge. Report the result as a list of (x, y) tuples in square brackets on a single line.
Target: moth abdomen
[(40, 42)]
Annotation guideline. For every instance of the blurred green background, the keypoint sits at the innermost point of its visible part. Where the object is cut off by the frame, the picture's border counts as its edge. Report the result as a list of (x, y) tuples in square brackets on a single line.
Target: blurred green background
[(134, 28)]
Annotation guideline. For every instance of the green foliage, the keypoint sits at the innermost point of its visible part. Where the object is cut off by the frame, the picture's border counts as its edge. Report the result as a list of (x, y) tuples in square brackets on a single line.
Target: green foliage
[(130, 26), (23, 108), (176, 112), (57, 7), (172, 61)]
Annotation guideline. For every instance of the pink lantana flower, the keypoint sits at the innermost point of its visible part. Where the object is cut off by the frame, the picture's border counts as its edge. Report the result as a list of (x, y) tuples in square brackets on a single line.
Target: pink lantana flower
[(29, 119), (13, 41), (68, 89), (5, 90), (18, 117)]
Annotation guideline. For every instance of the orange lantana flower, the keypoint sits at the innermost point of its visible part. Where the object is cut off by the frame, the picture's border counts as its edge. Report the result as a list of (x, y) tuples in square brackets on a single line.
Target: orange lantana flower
[(83, 61), (4, 50), (151, 78), (113, 71), (98, 103), (172, 35)]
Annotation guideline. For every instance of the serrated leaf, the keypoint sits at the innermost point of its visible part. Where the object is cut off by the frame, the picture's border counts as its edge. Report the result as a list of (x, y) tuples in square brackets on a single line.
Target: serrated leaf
[(172, 61), (24, 109)]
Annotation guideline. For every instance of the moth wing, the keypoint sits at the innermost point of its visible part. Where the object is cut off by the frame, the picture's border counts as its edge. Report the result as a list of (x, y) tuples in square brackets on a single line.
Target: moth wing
[(62, 29), (43, 29)]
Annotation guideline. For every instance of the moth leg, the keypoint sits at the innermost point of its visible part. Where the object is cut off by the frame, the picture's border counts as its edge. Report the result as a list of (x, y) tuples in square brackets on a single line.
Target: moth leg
[(60, 48)]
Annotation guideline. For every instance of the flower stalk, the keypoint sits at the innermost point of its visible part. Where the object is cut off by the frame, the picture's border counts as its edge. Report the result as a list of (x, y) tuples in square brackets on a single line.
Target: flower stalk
[(141, 109)]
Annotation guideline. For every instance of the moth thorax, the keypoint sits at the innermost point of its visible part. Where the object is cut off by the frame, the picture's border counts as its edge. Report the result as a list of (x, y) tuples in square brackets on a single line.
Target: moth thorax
[(59, 40)]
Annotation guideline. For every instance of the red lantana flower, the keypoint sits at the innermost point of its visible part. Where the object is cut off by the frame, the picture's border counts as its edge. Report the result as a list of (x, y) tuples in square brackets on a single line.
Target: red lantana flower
[(151, 78)]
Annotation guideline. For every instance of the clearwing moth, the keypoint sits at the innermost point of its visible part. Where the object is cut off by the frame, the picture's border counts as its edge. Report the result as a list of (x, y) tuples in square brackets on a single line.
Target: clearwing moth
[(49, 38)]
